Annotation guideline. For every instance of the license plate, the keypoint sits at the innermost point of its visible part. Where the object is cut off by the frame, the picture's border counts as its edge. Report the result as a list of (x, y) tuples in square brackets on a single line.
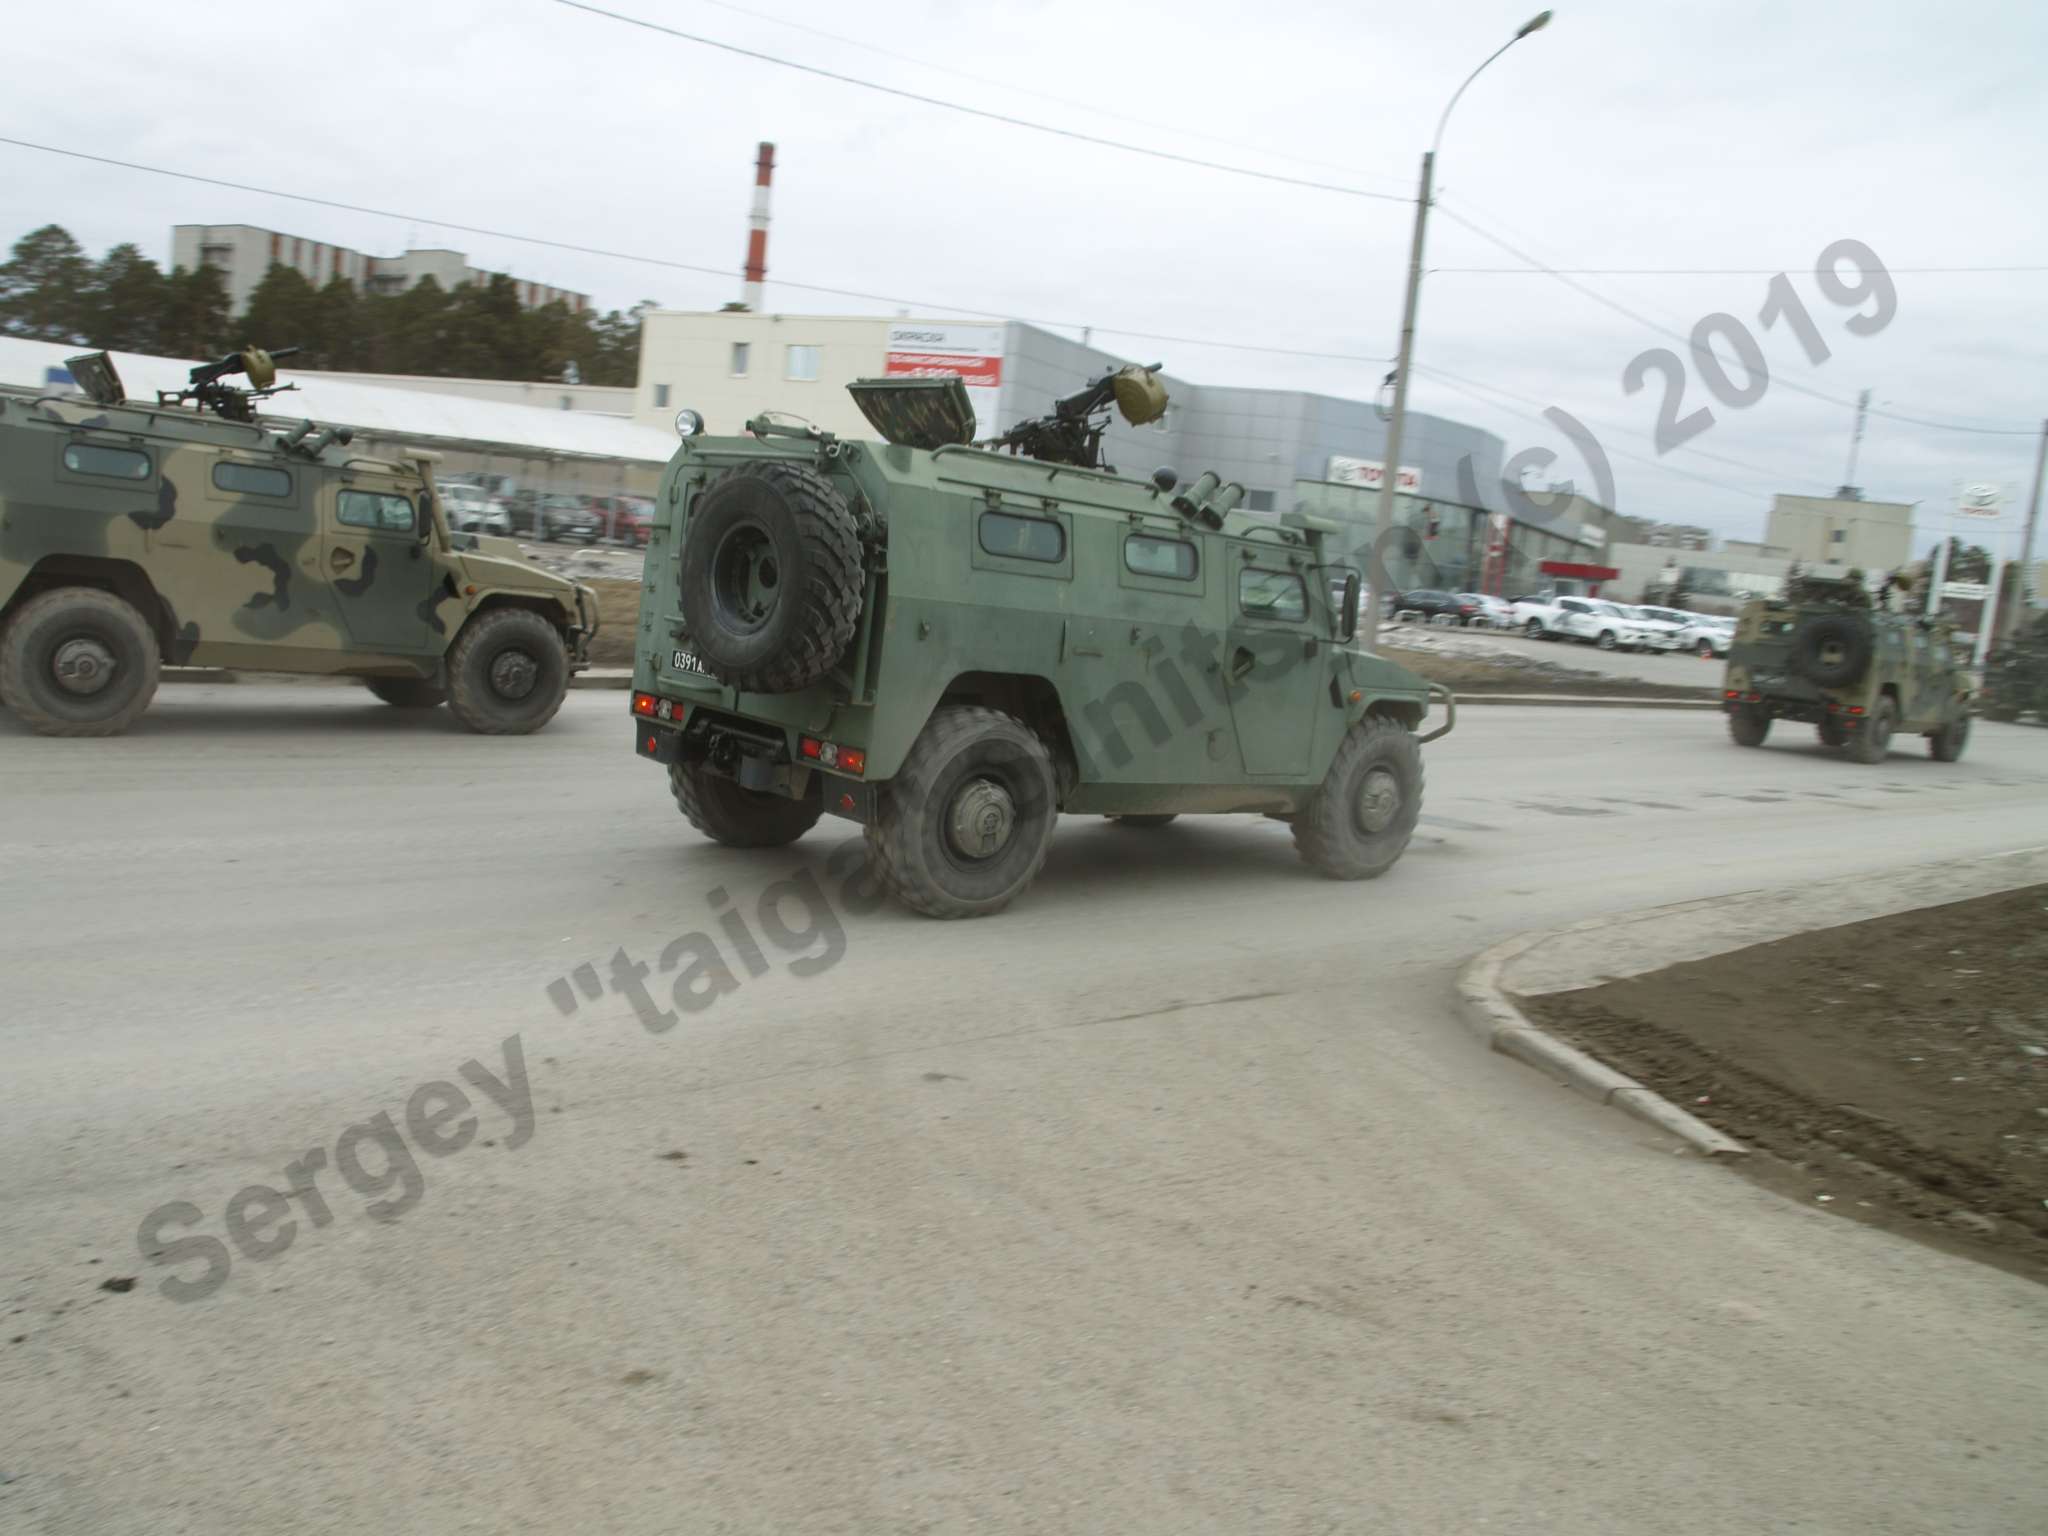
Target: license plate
[(683, 661)]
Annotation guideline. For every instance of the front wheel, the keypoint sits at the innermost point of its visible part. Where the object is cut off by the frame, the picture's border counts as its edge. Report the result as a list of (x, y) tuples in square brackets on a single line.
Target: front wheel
[(1358, 822), (1705, 650), (739, 817), (1606, 642), (507, 672), (78, 662), (965, 825), (1533, 630)]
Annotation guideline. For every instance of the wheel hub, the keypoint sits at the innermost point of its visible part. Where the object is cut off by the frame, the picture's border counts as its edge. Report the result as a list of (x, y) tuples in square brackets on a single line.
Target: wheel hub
[(745, 577), (82, 666), (513, 674), (1379, 800), (982, 819)]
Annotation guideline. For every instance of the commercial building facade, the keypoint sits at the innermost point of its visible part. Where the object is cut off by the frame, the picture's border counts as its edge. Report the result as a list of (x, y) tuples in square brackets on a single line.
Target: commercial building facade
[(1874, 536), (243, 253)]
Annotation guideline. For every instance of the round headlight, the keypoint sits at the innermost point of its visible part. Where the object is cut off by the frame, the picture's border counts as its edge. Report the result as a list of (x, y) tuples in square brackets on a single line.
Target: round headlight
[(688, 423)]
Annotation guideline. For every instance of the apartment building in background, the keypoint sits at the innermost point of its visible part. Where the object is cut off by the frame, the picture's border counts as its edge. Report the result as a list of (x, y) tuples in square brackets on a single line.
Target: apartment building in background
[(242, 253)]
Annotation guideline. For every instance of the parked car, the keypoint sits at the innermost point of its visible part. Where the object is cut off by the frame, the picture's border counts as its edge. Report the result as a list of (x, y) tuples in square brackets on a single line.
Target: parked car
[(1708, 635), (625, 519), (1434, 607), (468, 511), (1494, 612), (568, 518), (1660, 633), (1592, 620)]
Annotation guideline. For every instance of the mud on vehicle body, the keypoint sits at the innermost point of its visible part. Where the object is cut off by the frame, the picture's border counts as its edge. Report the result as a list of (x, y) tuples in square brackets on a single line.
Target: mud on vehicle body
[(1827, 657), (136, 535), (952, 646)]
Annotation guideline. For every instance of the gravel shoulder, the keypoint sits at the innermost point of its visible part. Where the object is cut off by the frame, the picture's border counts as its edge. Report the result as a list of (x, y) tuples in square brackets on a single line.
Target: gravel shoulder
[(1894, 1071)]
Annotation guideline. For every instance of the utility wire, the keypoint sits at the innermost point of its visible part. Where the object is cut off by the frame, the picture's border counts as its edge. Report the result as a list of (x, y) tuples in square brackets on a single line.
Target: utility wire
[(680, 266), (1797, 388), (980, 112), (1024, 90), (1692, 271)]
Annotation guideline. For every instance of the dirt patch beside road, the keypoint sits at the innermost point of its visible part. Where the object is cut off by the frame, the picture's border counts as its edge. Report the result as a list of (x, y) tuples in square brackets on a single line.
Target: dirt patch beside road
[(1894, 1071), (618, 620)]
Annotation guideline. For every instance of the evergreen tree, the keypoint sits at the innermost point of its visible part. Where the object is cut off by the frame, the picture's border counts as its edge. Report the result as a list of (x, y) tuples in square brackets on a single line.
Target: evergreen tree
[(128, 299), (284, 311), (195, 314), (45, 288)]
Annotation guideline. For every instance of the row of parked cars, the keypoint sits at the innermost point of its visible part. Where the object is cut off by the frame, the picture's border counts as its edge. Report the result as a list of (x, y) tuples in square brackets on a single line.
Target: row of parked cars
[(1591, 620), (554, 517)]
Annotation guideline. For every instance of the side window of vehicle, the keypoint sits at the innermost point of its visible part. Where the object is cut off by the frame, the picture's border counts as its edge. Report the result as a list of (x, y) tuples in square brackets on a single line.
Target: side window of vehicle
[(1023, 538), (113, 463), (1277, 595), (251, 479), (376, 510), (1172, 558), (1571, 607)]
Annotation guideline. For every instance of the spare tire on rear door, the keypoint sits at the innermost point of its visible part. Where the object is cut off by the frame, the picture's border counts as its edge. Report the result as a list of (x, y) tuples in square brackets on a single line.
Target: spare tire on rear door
[(1832, 650), (771, 577)]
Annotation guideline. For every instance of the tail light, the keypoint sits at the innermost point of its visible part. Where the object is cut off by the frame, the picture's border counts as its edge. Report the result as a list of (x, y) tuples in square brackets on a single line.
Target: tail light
[(828, 755), (648, 706)]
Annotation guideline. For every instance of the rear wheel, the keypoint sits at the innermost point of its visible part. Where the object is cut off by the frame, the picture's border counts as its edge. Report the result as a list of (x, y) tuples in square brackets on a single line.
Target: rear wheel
[(407, 692), (729, 813), (1359, 820), (964, 826), (1946, 744), (507, 672), (78, 662), (1143, 823), (1749, 727), (1870, 742)]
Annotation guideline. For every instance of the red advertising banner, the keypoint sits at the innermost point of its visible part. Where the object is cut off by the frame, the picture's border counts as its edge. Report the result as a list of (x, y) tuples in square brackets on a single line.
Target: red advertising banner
[(975, 372)]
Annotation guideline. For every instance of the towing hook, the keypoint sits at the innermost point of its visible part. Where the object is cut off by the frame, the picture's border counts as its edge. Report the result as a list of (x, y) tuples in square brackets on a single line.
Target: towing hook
[(1450, 714)]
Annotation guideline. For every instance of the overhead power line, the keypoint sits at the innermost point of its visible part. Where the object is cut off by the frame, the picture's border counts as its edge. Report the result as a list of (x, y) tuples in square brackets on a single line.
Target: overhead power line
[(981, 112), (1183, 131), (1693, 271), (983, 311), (1663, 330)]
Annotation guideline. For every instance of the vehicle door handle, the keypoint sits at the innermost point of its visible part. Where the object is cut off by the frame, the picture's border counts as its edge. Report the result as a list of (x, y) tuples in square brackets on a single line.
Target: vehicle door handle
[(1241, 663), (341, 559)]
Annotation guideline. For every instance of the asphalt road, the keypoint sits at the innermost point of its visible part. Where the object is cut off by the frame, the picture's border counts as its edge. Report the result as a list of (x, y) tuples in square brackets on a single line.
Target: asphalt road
[(1173, 1200)]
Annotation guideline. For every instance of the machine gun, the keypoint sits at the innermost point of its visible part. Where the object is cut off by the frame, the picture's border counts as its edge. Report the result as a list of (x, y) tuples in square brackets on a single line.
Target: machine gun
[(1072, 432), (231, 401)]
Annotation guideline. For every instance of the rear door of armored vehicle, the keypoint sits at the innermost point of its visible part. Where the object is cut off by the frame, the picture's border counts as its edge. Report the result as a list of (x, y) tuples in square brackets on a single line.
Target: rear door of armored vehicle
[(242, 558), (1270, 656)]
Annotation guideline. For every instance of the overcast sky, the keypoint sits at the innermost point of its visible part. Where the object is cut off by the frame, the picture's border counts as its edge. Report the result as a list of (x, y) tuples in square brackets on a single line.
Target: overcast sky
[(1626, 135)]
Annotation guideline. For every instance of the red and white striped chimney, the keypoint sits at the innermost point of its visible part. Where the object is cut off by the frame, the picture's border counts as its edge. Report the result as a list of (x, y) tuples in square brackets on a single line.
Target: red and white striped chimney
[(757, 231)]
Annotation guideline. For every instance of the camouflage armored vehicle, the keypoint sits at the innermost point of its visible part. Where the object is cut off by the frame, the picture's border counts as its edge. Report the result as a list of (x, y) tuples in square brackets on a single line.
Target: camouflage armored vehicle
[(1827, 656), (2016, 676), (185, 531), (953, 644)]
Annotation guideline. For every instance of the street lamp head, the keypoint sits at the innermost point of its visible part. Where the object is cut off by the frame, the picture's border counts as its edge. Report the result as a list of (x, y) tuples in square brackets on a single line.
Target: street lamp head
[(1535, 23)]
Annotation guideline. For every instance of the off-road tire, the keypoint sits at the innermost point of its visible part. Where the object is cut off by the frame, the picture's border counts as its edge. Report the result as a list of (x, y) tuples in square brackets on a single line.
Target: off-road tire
[(1870, 741), (911, 846), (1848, 634), (407, 692), (1748, 727), (507, 702), (107, 632), (1332, 832), (1946, 744), (1144, 823), (729, 813), (1831, 733), (771, 577)]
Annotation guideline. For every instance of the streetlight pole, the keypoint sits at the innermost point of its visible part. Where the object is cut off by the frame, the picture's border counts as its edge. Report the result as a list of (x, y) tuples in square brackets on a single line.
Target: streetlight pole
[(1390, 472)]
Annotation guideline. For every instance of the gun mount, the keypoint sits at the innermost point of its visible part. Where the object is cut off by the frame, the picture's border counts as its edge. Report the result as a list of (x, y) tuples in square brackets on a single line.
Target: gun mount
[(1071, 433), (230, 401)]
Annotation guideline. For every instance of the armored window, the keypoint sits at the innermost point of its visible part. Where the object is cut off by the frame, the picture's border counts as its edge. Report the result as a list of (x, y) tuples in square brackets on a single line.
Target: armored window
[(661, 397), (114, 463), (1272, 595), (1147, 556), (803, 363), (374, 509), (1023, 538), (741, 352), (251, 479)]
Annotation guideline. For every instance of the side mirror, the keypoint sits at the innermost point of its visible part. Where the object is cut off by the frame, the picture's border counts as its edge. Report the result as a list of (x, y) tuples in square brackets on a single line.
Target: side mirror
[(1348, 620)]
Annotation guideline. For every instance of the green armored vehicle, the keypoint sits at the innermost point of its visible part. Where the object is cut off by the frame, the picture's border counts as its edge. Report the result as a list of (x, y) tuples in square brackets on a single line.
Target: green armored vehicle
[(185, 531), (1826, 655), (2016, 676), (953, 644)]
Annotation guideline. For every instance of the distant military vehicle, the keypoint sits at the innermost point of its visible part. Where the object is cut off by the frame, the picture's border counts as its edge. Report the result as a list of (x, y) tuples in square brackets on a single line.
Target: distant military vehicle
[(185, 531), (2016, 676), (952, 644), (1826, 655)]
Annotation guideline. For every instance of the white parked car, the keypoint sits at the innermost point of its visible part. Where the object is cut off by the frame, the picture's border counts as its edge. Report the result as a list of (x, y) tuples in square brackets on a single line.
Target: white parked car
[(1494, 612), (469, 511), (1661, 631), (1708, 635), (1593, 620)]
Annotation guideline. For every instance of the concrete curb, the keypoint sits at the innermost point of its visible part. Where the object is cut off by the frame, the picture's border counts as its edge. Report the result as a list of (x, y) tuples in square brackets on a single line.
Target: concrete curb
[(1712, 925)]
